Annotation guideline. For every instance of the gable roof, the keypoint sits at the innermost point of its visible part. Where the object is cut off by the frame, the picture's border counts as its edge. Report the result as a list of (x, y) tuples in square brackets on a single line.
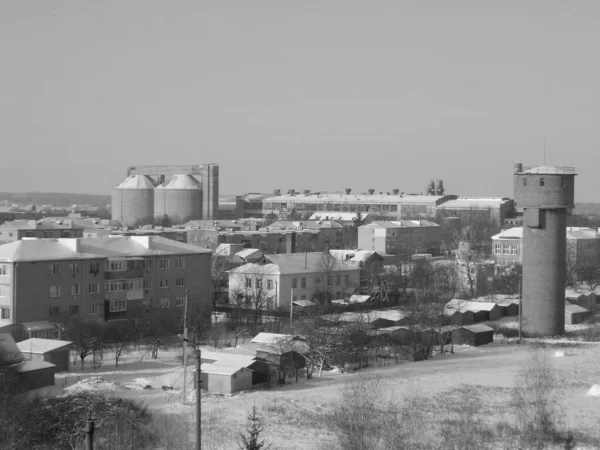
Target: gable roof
[(309, 263), (464, 305), (511, 233), (576, 309), (478, 328)]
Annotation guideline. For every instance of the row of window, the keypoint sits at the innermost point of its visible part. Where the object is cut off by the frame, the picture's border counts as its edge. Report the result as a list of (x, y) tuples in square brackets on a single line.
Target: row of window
[(4, 313), (506, 249), (110, 286), (95, 308), (563, 181), (110, 266), (506, 262)]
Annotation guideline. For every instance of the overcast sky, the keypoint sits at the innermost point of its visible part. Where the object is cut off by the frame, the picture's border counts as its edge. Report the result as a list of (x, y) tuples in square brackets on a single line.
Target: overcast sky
[(321, 94)]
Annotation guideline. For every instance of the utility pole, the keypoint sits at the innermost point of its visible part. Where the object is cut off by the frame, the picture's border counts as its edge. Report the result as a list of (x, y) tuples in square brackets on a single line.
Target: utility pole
[(89, 434), (185, 339), (291, 310), (198, 401), (520, 308)]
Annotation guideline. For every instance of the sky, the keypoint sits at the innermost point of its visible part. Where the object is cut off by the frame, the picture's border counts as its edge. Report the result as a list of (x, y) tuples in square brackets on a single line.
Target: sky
[(313, 94)]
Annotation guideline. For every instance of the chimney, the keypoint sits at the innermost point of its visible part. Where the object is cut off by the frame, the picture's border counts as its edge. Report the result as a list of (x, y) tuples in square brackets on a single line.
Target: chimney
[(371, 191), (348, 191), (517, 168), (395, 191), (277, 192)]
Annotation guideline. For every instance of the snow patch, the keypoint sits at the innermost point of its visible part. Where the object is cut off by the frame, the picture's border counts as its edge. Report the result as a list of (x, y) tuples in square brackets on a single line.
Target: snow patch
[(559, 353), (594, 391)]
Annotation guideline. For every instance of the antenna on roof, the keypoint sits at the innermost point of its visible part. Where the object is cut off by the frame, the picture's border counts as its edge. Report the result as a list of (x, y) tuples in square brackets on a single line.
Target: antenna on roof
[(544, 150)]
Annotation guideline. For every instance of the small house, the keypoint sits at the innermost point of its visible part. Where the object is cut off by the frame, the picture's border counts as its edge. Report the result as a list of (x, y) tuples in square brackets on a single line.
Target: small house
[(457, 317), (509, 308), (401, 335), (475, 335), (36, 374), (575, 314), (50, 350)]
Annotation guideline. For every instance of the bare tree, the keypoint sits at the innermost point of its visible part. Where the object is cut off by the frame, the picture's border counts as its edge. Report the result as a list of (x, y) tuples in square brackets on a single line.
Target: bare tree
[(326, 280), (447, 280), (87, 335), (256, 289), (118, 336)]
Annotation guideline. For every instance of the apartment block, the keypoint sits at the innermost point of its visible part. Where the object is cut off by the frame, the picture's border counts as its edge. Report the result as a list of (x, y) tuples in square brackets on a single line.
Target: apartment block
[(18, 229), (44, 281)]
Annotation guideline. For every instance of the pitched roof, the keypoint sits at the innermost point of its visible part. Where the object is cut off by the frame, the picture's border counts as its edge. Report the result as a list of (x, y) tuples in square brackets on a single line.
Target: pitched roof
[(401, 224), (40, 346), (309, 263), (576, 309), (249, 252), (90, 248), (33, 365), (464, 305), (271, 338), (511, 233), (221, 369)]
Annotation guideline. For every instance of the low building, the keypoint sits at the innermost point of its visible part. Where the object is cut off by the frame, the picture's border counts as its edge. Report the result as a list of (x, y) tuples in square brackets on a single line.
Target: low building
[(309, 276), (475, 335), (586, 298), (225, 379), (50, 350), (482, 311), (459, 317), (509, 307), (18, 229), (575, 314), (402, 237), (36, 375), (401, 335)]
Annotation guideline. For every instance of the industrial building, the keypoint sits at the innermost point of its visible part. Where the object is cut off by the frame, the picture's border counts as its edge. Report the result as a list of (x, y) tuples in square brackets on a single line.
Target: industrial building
[(175, 194), (140, 278), (543, 195), (401, 237)]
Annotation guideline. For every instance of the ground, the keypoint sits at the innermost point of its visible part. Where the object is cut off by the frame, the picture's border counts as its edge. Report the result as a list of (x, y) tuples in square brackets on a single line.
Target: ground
[(289, 411)]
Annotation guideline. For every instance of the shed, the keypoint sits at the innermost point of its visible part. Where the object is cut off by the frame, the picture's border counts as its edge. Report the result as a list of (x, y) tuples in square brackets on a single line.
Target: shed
[(575, 314), (36, 374), (475, 335), (50, 350), (509, 308), (491, 311), (459, 317), (401, 335), (223, 378)]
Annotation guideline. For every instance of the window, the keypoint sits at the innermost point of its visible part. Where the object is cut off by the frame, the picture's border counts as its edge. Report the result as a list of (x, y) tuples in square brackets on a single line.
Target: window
[(164, 263), (118, 305), (542, 181), (75, 289), (116, 266), (94, 267), (179, 320), (317, 280), (3, 269), (164, 282), (269, 284), (524, 181), (147, 284), (180, 281), (506, 249), (53, 269), (180, 263), (514, 249), (164, 302), (134, 284), (258, 284), (147, 264), (346, 279), (74, 268), (53, 311), (93, 288), (248, 282), (73, 310), (4, 313), (3, 291), (498, 249), (180, 301), (294, 283), (563, 182), (115, 285), (54, 291), (94, 308), (338, 279)]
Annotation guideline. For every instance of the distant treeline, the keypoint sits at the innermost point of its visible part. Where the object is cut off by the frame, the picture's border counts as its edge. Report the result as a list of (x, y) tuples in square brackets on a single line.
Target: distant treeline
[(55, 198)]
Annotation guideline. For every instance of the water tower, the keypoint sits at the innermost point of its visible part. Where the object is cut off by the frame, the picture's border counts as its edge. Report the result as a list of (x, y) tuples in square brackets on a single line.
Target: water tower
[(544, 194)]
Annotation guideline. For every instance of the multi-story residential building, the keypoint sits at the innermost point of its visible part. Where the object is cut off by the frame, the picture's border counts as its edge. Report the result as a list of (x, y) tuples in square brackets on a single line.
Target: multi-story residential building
[(332, 234), (50, 280), (402, 237), (299, 276), (583, 248), (18, 229)]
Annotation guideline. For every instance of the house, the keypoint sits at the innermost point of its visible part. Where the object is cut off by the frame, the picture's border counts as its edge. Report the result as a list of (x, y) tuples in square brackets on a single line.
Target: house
[(250, 255), (575, 314), (142, 278), (50, 350), (292, 277), (475, 335)]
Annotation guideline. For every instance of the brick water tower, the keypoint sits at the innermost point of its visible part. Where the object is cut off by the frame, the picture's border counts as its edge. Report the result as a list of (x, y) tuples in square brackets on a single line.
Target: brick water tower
[(544, 195)]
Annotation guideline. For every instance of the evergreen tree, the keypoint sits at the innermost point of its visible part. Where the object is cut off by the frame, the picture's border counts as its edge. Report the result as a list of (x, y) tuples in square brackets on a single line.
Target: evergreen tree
[(252, 441)]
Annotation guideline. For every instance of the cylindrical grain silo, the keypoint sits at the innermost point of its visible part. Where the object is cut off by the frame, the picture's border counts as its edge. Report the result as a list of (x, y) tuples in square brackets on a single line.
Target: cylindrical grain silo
[(439, 187), (544, 193), (132, 201), (180, 199)]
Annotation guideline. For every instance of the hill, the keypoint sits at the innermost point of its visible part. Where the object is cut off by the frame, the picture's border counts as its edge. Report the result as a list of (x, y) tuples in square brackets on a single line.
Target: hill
[(59, 199)]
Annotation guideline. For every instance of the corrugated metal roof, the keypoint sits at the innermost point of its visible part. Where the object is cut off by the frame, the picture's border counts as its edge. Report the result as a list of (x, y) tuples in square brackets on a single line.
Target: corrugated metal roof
[(33, 365), (576, 309), (478, 328), (401, 224), (548, 170)]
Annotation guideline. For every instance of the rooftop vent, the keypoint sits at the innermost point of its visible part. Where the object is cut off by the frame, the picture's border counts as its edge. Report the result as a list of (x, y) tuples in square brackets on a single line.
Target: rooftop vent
[(306, 191), (371, 191), (277, 192), (348, 191), (395, 191)]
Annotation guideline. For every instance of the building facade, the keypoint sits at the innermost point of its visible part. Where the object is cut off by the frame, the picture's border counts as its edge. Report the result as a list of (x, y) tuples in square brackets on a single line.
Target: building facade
[(403, 237), (18, 229), (294, 277), (105, 278)]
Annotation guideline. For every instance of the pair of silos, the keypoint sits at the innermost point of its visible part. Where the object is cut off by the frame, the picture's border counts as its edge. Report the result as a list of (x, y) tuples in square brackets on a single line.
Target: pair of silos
[(137, 201), (544, 194)]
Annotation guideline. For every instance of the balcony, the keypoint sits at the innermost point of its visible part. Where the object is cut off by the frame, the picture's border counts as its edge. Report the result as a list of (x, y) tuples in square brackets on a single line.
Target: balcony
[(132, 294), (130, 273)]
